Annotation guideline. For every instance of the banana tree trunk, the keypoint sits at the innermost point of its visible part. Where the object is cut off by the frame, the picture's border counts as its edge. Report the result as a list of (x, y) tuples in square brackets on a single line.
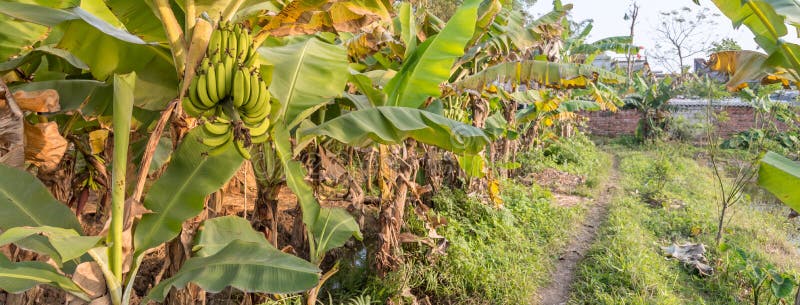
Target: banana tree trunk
[(11, 128), (394, 192), (510, 112), (177, 251), (266, 210), (269, 180), (480, 112)]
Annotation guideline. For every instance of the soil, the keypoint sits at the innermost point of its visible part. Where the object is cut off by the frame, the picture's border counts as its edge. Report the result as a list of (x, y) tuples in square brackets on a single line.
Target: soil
[(558, 290), (555, 180)]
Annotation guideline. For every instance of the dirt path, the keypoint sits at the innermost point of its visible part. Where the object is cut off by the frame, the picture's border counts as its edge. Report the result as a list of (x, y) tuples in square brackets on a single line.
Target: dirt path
[(557, 292)]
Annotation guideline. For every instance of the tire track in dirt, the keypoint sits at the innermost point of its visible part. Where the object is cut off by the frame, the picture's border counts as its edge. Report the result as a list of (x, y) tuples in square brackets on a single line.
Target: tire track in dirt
[(558, 290)]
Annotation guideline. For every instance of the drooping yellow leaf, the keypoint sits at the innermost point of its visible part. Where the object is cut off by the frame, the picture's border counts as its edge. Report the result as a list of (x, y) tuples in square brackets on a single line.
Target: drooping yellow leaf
[(494, 192), (38, 101), (44, 146), (97, 140), (312, 16), (747, 66)]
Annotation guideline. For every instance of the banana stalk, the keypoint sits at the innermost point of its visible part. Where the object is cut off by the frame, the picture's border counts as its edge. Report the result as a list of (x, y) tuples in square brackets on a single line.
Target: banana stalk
[(174, 32), (191, 15), (231, 9), (197, 49)]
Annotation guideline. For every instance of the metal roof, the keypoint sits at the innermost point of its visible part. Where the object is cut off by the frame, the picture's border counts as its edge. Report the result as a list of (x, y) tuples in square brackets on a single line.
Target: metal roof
[(784, 96), (690, 102)]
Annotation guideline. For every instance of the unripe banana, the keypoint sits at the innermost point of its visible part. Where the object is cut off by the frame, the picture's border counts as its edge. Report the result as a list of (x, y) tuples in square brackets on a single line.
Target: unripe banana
[(246, 87), (243, 43), (217, 128), (189, 108), (203, 92), (221, 116), (230, 69), (263, 95), (238, 88), (257, 115), (214, 140), (219, 149), (223, 39), (259, 139), (194, 98), (221, 74), (252, 57), (214, 43), (260, 128), (231, 44), (211, 84), (242, 150), (250, 105)]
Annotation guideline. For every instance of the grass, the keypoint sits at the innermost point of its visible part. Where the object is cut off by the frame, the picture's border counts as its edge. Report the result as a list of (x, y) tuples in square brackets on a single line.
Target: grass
[(575, 155), (503, 256), (625, 266), (493, 255)]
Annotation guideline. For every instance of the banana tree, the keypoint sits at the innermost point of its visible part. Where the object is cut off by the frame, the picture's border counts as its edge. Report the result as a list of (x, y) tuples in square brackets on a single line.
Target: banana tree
[(41, 224), (652, 103), (389, 116), (160, 70)]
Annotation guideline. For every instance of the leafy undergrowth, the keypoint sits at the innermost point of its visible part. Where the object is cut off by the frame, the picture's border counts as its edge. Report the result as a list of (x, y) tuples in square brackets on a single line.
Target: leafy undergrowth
[(626, 266), (493, 255), (576, 155)]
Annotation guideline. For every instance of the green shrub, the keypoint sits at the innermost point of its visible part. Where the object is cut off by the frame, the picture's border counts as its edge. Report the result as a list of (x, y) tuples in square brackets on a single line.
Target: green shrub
[(494, 256), (575, 155)]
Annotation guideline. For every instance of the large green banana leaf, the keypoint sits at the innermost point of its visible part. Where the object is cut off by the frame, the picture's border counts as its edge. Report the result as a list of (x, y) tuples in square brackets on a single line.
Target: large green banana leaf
[(330, 228), (781, 177), (551, 74), (306, 76), (334, 226), (218, 232), (408, 28), (19, 277), (38, 53), (50, 17), (429, 66), (760, 16), (89, 96), (247, 266), (139, 18), (107, 50), (67, 242), (156, 76), (392, 125), (180, 193), (24, 201), (16, 34), (373, 95)]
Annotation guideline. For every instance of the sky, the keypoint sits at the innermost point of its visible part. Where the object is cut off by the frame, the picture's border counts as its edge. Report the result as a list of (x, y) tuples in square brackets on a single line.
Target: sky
[(608, 20)]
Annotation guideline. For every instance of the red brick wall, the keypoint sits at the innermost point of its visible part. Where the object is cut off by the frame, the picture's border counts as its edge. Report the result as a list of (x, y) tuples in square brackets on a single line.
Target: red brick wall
[(605, 123), (738, 119), (624, 122)]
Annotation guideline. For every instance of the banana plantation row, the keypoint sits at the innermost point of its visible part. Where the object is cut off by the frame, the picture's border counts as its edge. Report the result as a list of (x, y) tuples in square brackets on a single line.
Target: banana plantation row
[(143, 110)]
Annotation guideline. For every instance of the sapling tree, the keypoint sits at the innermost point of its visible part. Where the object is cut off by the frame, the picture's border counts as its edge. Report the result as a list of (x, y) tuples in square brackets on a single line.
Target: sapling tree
[(734, 174)]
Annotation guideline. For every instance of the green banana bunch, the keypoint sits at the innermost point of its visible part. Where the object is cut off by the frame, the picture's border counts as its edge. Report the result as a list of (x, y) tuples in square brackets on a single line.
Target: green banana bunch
[(456, 114), (228, 92)]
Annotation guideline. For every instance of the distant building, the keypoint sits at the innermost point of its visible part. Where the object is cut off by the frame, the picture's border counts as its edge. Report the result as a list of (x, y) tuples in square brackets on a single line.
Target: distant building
[(613, 61), (701, 69)]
